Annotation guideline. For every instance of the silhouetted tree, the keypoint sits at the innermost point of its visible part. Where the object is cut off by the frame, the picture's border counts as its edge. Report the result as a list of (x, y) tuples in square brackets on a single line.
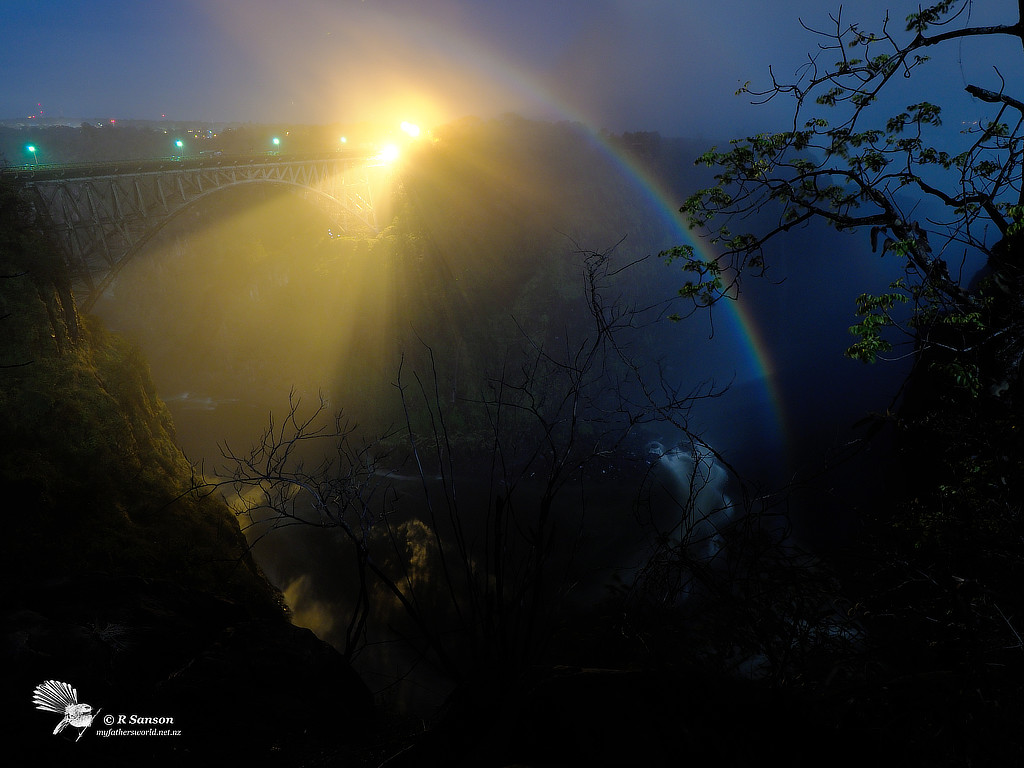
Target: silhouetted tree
[(842, 164), (496, 548), (929, 196), (937, 198)]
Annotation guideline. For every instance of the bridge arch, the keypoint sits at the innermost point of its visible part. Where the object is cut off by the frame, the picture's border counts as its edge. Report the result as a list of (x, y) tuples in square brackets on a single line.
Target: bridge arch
[(336, 209), (102, 215)]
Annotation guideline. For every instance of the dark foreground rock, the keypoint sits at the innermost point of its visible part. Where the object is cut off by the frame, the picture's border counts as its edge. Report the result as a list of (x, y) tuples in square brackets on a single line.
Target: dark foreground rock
[(570, 716), (235, 685)]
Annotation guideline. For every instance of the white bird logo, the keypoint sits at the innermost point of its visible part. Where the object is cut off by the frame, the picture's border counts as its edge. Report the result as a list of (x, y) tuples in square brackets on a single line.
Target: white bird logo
[(55, 696)]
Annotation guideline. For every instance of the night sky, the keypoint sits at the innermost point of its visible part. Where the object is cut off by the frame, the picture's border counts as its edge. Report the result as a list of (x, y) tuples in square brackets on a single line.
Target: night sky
[(667, 65)]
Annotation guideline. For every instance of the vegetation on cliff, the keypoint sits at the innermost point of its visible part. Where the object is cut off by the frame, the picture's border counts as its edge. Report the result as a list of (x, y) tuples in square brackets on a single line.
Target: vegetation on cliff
[(89, 457)]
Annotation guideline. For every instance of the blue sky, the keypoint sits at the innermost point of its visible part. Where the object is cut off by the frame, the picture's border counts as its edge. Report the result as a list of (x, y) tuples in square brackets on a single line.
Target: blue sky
[(666, 65)]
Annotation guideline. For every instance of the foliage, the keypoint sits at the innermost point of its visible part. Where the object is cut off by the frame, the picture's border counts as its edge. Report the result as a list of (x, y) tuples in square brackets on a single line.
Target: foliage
[(842, 164), (89, 453), (942, 544), (927, 196)]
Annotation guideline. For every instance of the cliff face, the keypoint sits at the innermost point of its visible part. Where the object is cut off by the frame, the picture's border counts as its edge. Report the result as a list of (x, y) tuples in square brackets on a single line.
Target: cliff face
[(116, 579), (90, 461)]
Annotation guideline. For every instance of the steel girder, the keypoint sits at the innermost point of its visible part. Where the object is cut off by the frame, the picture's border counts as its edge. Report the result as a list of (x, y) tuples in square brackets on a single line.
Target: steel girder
[(100, 219)]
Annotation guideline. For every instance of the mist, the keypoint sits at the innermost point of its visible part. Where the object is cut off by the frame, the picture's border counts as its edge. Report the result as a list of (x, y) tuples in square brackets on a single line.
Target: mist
[(614, 65), (253, 305), (485, 433)]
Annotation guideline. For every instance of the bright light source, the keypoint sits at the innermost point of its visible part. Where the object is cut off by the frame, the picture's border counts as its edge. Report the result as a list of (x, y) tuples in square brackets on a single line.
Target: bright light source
[(344, 140), (385, 156), (276, 141), (31, 147), (411, 129)]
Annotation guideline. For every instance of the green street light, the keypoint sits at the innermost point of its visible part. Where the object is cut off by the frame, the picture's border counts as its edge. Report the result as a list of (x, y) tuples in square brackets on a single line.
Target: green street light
[(32, 148), (180, 145), (276, 142)]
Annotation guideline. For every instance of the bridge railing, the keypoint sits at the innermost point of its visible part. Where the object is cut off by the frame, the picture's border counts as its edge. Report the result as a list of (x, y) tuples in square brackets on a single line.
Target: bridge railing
[(58, 171), (101, 213)]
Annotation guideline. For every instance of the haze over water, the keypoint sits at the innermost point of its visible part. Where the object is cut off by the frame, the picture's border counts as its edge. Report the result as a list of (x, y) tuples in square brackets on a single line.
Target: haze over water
[(252, 295)]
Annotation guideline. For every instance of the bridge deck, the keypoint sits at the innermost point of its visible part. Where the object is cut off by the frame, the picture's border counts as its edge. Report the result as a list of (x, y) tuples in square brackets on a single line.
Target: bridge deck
[(100, 214), (68, 171)]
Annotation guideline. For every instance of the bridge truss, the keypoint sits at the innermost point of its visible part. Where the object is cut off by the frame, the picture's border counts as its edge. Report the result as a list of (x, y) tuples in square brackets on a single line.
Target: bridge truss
[(102, 214)]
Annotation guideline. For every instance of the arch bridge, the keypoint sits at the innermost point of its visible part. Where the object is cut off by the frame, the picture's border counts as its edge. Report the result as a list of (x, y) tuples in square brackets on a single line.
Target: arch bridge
[(101, 214)]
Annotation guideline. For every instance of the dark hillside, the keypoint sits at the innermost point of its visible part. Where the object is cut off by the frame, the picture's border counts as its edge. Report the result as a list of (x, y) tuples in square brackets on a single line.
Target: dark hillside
[(116, 581)]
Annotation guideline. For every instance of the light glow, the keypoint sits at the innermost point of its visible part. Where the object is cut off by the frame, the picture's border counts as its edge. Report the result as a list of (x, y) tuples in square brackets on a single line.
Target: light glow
[(388, 154), (411, 129)]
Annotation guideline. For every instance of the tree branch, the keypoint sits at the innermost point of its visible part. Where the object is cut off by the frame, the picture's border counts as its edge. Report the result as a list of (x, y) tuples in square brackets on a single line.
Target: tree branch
[(994, 98)]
